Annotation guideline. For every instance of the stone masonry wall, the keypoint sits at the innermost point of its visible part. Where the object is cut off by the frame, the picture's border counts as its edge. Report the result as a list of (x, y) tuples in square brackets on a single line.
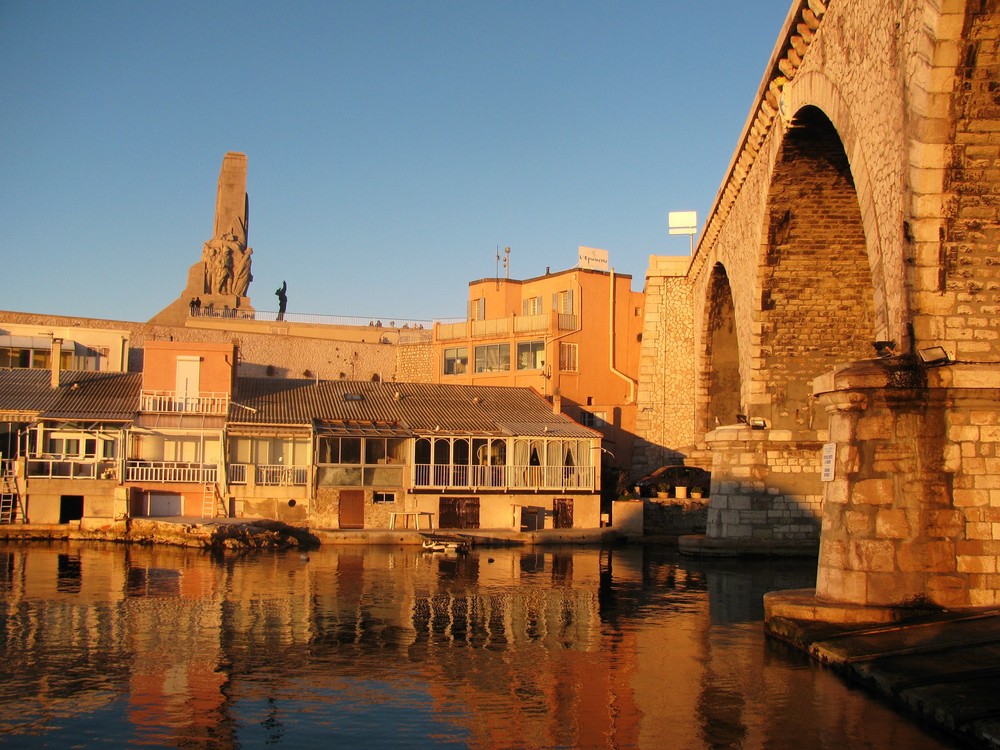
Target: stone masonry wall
[(967, 288), (415, 363), (816, 286), (665, 397), (764, 488), (912, 515), (261, 355)]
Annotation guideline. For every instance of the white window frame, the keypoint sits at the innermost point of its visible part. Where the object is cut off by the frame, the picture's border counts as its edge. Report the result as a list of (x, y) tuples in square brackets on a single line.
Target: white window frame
[(497, 354), (456, 360), (532, 306), (533, 354)]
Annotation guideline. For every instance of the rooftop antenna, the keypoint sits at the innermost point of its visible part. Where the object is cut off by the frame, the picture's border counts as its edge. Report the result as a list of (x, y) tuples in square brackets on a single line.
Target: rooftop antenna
[(506, 264)]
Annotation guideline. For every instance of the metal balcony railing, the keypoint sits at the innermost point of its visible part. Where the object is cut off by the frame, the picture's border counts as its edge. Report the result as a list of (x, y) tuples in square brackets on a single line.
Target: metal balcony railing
[(518, 324), (171, 471), (458, 476), (72, 468), (172, 401), (269, 475)]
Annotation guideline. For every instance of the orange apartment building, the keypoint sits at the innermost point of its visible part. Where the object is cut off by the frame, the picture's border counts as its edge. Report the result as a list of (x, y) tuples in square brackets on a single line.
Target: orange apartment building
[(176, 441), (574, 336)]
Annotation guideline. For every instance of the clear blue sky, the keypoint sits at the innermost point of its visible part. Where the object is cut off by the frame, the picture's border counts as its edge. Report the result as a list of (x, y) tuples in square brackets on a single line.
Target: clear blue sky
[(392, 146)]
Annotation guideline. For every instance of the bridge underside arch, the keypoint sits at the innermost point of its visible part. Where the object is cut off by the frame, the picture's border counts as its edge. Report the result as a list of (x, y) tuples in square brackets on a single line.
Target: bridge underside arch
[(816, 292), (721, 376), (815, 310)]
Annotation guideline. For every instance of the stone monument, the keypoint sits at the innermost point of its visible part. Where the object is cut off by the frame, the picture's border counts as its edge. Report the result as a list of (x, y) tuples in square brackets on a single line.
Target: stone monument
[(217, 285)]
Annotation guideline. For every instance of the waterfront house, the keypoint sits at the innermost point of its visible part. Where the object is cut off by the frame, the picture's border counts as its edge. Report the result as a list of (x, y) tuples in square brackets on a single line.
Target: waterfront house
[(381, 454), (62, 434), (175, 444), (188, 437)]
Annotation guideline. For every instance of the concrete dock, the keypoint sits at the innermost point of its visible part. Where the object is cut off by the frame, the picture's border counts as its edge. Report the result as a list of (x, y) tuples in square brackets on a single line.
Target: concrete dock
[(943, 669)]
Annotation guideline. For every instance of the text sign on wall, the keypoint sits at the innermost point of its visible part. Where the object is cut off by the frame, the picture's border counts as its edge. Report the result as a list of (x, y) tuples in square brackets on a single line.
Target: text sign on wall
[(592, 258), (829, 462)]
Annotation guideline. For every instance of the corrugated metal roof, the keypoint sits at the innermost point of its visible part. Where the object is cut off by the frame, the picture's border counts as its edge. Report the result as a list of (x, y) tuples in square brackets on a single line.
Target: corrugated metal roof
[(346, 406), (26, 390), (112, 396), (420, 407)]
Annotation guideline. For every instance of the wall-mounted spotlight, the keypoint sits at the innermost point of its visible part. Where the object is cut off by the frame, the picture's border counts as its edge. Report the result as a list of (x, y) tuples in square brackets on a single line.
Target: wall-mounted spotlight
[(884, 349), (757, 423), (934, 355)]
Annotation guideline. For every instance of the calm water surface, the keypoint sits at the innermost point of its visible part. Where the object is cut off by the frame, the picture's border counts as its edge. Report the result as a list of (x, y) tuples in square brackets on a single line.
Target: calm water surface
[(112, 646)]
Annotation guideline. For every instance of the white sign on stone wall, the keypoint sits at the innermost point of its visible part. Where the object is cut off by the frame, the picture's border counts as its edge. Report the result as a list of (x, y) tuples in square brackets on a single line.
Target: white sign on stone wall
[(829, 462)]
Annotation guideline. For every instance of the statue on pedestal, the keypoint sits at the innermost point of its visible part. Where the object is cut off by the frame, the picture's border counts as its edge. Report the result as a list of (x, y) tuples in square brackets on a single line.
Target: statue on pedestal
[(227, 265)]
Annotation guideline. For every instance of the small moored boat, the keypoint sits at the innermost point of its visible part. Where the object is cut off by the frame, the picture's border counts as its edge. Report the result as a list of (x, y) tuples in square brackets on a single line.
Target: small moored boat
[(440, 543)]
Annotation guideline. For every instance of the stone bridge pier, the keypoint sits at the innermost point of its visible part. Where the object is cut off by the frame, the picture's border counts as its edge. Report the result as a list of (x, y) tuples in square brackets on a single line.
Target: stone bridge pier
[(843, 302), (766, 497)]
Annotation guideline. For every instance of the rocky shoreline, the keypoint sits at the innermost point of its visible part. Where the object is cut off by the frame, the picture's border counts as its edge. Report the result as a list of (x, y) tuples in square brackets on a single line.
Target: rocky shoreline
[(246, 535)]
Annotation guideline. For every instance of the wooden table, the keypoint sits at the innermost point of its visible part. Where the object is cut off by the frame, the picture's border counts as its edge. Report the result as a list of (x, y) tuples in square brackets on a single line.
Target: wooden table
[(415, 514)]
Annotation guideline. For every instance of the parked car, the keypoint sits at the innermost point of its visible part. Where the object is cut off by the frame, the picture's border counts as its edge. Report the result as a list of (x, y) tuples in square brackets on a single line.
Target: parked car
[(675, 476)]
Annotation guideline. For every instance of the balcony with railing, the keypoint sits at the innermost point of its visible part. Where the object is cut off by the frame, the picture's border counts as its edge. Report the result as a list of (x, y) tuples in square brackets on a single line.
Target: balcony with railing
[(465, 477), (452, 331), (269, 475), (59, 467), (518, 324), (170, 471), (173, 402)]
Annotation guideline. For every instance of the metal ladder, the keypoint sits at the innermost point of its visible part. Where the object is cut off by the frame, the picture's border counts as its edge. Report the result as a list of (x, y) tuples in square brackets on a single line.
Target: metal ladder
[(11, 503)]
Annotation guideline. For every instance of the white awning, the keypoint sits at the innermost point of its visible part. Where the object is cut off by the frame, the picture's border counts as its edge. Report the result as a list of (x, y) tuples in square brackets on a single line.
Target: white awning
[(33, 342)]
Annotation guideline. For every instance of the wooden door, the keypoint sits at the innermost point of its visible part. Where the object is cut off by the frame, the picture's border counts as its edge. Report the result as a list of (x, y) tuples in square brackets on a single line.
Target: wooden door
[(563, 509), (352, 509), (458, 513)]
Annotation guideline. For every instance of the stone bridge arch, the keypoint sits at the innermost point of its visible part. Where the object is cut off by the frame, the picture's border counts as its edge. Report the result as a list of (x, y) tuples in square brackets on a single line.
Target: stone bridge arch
[(875, 121), (808, 292)]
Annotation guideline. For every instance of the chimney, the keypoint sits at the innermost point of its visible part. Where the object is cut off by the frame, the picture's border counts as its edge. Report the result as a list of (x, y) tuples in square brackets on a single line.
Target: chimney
[(56, 357), (556, 403)]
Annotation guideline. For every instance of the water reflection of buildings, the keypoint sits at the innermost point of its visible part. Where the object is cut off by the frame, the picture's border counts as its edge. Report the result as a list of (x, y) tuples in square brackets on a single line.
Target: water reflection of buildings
[(581, 648), (188, 640)]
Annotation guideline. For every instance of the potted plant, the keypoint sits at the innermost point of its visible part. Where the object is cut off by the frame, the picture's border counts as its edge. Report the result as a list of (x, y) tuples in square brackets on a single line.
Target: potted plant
[(663, 490)]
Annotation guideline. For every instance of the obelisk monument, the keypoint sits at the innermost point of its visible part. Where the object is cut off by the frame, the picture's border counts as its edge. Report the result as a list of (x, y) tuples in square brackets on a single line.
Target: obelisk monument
[(217, 285)]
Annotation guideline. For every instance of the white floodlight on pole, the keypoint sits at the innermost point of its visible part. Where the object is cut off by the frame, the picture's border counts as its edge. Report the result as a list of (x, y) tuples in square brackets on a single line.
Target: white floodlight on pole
[(683, 222)]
